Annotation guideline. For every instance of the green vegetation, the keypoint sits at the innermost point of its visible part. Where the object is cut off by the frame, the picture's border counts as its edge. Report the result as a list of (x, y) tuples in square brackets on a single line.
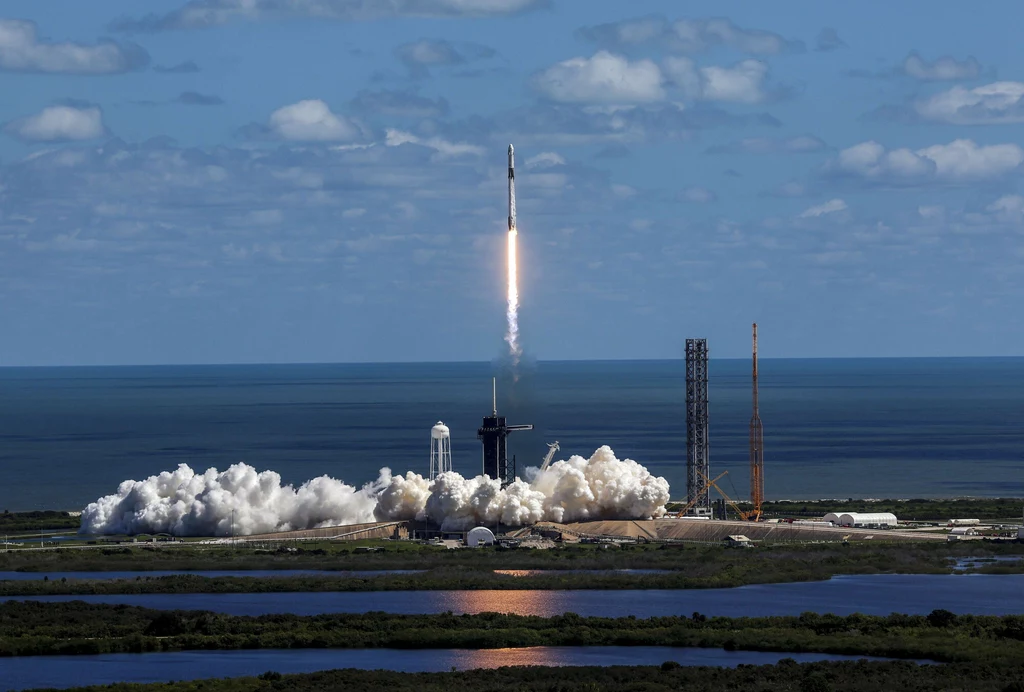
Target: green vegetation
[(688, 567), (14, 522), (32, 628), (907, 510), (787, 676)]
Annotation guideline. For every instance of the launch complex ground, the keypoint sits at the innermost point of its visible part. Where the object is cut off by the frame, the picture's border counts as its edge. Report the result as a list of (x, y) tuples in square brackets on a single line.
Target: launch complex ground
[(666, 531)]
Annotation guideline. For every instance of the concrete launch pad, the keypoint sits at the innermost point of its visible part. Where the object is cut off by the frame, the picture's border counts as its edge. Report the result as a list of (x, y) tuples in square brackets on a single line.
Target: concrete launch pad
[(654, 530)]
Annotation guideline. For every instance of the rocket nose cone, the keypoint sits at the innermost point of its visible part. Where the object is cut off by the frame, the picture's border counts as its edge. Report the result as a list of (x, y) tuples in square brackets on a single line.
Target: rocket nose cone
[(510, 149)]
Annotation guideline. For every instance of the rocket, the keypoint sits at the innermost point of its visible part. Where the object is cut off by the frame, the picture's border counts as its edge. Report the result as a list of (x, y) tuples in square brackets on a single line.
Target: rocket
[(511, 188)]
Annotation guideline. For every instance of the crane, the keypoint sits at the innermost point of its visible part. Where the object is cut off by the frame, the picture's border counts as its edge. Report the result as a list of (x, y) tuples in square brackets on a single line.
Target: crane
[(743, 515), (689, 505), (552, 448)]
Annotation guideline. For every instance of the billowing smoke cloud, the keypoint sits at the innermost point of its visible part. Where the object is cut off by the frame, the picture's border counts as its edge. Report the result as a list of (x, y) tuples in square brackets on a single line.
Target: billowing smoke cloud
[(184, 503)]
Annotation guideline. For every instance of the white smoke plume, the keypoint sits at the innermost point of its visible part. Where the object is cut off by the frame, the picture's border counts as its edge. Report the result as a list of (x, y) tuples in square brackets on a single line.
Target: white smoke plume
[(183, 503)]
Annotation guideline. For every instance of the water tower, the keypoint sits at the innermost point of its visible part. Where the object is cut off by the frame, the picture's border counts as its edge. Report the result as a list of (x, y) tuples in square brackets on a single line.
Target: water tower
[(440, 450)]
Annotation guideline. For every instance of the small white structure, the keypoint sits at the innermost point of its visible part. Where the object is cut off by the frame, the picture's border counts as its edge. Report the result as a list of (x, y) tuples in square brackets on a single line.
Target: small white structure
[(964, 522), (862, 519), (479, 536), (963, 531), (738, 541), (440, 450)]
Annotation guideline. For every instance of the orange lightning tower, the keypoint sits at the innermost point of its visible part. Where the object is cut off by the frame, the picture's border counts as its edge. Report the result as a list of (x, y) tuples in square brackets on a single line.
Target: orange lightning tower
[(756, 448)]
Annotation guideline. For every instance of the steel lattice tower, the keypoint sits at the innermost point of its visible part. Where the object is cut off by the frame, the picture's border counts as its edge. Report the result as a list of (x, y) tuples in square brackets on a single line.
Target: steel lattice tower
[(698, 466), (756, 446)]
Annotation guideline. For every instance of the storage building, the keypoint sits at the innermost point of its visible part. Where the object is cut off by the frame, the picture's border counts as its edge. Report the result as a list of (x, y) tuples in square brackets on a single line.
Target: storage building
[(862, 519), (479, 536)]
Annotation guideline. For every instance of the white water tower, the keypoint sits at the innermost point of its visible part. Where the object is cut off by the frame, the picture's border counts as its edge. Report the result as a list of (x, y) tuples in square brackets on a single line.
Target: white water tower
[(440, 450)]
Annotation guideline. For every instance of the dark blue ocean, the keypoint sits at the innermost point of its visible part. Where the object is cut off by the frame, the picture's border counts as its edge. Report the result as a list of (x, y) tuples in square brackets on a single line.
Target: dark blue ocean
[(833, 428)]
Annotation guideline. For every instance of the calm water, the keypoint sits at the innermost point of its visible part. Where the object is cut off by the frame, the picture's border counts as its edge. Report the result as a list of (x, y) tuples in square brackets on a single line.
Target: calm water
[(68, 671), (870, 595), (833, 428)]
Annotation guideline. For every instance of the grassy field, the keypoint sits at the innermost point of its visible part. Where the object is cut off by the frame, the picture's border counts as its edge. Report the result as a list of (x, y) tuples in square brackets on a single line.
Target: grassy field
[(685, 567)]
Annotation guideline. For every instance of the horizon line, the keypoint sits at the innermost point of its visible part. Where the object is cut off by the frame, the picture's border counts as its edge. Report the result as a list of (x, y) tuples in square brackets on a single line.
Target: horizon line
[(495, 363)]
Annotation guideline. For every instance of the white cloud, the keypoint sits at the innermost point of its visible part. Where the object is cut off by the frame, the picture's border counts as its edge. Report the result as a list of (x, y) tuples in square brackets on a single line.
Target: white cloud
[(830, 207), (602, 78), (58, 123), (22, 51), (690, 36), (740, 83), (942, 69), (198, 14), (1008, 208), (312, 121), (996, 103), (545, 159), (443, 147), (421, 55), (699, 195), (959, 161)]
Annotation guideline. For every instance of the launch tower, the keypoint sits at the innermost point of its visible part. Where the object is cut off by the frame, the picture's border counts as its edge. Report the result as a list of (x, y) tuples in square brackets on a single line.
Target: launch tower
[(756, 447), (493, 433), (698, 466)]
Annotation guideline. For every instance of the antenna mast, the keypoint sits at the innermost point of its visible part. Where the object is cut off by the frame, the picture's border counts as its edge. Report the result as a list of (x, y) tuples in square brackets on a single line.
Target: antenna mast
[(756, 447)]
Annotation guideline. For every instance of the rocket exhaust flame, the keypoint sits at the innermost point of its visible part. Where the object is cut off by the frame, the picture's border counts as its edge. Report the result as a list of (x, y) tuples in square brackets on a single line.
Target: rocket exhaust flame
[(512, 312)]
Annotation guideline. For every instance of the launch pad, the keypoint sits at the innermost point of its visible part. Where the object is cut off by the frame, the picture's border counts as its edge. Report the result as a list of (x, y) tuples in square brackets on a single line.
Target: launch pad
[(493, 433)]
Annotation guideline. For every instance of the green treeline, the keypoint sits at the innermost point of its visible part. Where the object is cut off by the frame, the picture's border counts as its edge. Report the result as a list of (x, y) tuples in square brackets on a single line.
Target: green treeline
[(817, 561), (33, 628), (690, 568), (12, 522), (786, 676), (464, 579)]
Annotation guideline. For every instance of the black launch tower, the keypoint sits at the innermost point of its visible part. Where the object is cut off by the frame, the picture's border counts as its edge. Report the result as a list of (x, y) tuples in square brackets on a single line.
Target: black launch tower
[(698, 467), (493, 433)]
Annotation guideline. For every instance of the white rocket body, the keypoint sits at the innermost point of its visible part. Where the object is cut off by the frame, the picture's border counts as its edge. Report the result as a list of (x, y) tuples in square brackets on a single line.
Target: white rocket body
[(511, 188)]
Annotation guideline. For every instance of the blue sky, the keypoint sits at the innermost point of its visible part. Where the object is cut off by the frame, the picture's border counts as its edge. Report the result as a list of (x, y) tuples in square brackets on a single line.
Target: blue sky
[(323, 180)]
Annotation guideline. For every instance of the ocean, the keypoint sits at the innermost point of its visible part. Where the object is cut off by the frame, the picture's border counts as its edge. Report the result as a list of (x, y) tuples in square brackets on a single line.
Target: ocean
[(882, 428)]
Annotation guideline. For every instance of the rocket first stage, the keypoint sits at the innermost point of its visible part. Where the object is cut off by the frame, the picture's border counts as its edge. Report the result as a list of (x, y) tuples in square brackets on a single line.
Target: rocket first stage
[(511, 188), (512, 313)]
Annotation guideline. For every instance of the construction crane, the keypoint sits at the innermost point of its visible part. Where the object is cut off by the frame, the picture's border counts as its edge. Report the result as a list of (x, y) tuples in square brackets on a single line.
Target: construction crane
[(552, 448), (745, 516), (689, 505), (756, 447)]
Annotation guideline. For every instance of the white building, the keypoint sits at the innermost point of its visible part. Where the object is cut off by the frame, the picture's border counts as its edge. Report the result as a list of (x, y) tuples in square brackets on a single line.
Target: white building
[(862, 519), (963, 531), (964, 522), (479, 536)]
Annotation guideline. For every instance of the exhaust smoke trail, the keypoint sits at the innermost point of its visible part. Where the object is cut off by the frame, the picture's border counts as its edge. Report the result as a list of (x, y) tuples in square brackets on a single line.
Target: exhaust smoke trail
[(512, 312), (243, 501)]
